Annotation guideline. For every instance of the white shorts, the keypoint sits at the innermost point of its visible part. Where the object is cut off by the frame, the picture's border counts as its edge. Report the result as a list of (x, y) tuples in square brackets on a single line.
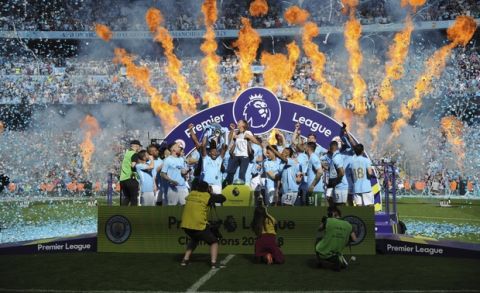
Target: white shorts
[(176, 197), (289, 198), (341, 196), (158, 196), (147, 199), (216, 189), (329, 192), (364, 199), (257, 183), (270, 196)]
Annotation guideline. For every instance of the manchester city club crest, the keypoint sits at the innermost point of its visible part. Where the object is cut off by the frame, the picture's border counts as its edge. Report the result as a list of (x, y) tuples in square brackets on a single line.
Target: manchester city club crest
[(359, 228), (259, 107), (118, 229)]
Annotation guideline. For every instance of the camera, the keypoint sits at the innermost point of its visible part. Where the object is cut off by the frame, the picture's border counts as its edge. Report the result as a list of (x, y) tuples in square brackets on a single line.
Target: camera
[(214, 227)]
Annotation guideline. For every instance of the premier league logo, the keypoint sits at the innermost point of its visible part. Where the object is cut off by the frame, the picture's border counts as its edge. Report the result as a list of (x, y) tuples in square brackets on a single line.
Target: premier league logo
[(259, 107)]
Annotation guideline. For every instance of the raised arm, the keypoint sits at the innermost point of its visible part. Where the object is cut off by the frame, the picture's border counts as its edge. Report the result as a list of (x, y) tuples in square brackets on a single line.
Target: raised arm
[(193, 135), (252, 138), (296, 134), (349, 137), (279, 155)]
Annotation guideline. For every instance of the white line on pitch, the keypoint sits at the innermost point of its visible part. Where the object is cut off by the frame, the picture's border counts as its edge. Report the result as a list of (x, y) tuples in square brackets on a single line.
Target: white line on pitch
[(321, 291), (208, 275)]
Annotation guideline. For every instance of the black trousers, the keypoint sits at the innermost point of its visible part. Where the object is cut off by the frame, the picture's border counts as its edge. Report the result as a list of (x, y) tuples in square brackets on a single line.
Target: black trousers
[(129, 194), (233, 163)]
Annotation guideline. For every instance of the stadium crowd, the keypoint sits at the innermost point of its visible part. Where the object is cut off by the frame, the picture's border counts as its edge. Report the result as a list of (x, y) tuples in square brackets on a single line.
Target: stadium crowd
[(78, 81), (75, 15)]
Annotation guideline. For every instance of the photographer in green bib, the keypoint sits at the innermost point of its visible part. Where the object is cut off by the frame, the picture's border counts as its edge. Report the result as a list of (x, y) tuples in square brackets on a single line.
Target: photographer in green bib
[(128, 180), (335, 235)]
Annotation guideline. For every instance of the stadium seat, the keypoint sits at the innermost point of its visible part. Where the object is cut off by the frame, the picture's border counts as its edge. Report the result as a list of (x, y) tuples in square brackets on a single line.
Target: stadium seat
[(97, 187), (453, 187), (72, 187), (420, 186), (49, 187), (469, 188), (80, 187), (407, 187)]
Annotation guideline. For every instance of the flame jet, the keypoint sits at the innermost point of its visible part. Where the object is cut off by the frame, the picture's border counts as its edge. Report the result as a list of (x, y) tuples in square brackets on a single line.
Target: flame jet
[(155, 19), (103, 32), (211, 60), (278, 72), (394, 70), (258, 8), (459, 33), (296, 15), (90, 128), (140, 75), (247, 45), (352, 33)]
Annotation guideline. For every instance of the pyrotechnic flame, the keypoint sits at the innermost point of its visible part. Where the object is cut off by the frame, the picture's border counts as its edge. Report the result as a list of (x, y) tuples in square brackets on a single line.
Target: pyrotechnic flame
[(211, 60), (459, 33), (394, 70), (258, 8), (452, 128), (247, 46), (154, 20), (90, 128), (103, 32), (318, 60), (462, 30), (278, 72), (296, 15), (352, 33), (414, 3), (140, 75), (274, 73)]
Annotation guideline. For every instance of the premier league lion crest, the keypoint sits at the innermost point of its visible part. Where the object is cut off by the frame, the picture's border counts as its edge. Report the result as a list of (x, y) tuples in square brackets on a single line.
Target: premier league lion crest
[(259, 107), (256, 112)]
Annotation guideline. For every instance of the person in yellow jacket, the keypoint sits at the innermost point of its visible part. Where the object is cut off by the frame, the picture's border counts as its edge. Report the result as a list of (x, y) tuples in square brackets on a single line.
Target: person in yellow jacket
[(195, 222), (266, 247)]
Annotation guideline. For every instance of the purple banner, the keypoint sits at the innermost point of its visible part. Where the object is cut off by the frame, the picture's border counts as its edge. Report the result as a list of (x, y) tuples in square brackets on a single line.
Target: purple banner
[(82, 243), (263, 112)]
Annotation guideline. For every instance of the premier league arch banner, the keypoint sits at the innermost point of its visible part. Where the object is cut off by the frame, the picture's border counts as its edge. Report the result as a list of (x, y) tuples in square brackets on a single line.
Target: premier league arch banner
[(264, 112), (158, 230)]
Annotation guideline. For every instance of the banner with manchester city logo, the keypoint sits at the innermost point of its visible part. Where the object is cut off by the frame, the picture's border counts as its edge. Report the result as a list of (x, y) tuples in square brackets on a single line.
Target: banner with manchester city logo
[(264, 112), (157, 230)]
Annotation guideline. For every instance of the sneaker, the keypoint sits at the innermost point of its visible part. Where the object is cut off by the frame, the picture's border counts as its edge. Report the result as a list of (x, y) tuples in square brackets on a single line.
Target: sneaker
[(216, 265), (269, 258), (184, 262)]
